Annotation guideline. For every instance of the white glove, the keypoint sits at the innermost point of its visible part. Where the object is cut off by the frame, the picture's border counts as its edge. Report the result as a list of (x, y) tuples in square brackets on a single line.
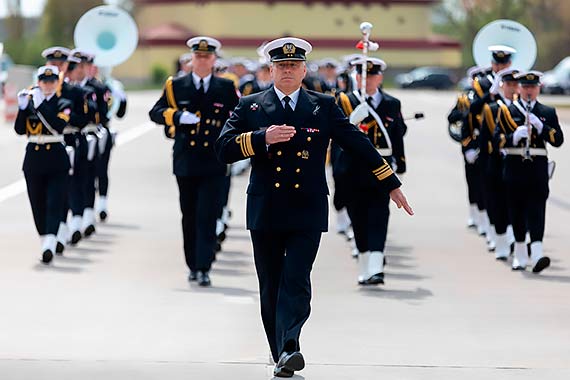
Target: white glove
[(471, 155), (360, 113), (37, 96), (189, 118), (23, 99), (520, 133), (536, 123)]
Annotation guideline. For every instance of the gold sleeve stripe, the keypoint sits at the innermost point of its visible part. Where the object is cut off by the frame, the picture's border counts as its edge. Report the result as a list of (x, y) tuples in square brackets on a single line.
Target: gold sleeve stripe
[(477, 88), (489, 118), (170, 94), (63, 116), (97, 118), (345, 103), (466, 141), (503, 141), (382, 170), (385, 175), (168, 115), (249, 145), (551, 134)]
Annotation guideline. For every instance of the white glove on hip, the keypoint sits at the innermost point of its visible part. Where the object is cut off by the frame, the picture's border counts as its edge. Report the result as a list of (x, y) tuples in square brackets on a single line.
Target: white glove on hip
[(23, 99), (360, 113), (189, 118), (471, 155), (37, 97), (496, 85), (536, 123), (520, 133)]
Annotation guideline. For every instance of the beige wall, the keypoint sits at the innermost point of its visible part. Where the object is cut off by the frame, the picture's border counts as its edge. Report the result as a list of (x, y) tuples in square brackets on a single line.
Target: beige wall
[(255, 20)]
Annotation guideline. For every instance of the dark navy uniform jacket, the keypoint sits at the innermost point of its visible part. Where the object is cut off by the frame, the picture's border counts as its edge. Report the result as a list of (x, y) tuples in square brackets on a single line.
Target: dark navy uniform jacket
[(288, 188), (193, 151), (50, 158), (390, 111), (510, 118)]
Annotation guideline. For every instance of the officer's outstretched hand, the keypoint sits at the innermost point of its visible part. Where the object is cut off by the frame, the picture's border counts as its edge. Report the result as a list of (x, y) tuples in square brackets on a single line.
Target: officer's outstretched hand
[(400, 200), (279, 133)]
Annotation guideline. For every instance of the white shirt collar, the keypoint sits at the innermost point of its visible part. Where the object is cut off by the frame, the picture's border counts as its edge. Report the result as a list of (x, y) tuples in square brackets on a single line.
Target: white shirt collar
[(376, 98), (196, 80), (525, 103), (294, 97)]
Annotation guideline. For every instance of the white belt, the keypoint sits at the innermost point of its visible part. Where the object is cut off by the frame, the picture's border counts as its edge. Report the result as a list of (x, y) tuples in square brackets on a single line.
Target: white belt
[(522, 151), (90, 129), (384, 151), (45, 139), (70, 130)]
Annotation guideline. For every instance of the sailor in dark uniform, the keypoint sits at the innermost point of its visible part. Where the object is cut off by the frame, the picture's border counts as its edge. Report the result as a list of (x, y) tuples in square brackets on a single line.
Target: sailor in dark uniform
[(194, 108), (380, 118), (479, 95), (76, 144), (527, 127), (505, 88), (286, 132), (42, 116)]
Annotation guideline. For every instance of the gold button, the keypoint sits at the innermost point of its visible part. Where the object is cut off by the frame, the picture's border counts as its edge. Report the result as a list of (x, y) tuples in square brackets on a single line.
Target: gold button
[(207, 121), (279, 153), (37, 147), (296, 186), (206, 132), (192, 143), (192, 132), (48, 147), (298, 154), (278, 169), (309, 138), (206, 143), (216, 111), (298, 170), (277, 184)]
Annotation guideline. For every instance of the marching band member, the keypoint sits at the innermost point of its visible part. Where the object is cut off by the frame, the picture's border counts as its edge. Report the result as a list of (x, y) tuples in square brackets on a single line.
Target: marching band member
[(42, 117), (368, 207), (194, 108), (526, 128)]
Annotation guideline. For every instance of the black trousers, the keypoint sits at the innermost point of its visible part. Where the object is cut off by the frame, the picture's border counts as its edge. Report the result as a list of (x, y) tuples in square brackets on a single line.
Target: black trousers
[(369, 213), (496, 198), (103, 168), (77, 186), (47, 194), (91, 175), (473, 176), (200, 199), (283, 261)]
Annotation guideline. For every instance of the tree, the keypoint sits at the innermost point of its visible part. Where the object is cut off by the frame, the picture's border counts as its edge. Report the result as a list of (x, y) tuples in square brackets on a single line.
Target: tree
[(59, 19), (548, 20)]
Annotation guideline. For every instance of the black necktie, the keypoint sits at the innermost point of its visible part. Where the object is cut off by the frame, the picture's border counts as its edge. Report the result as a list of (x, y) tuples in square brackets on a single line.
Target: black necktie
[(370, 100), (201, 89), (288, 109)]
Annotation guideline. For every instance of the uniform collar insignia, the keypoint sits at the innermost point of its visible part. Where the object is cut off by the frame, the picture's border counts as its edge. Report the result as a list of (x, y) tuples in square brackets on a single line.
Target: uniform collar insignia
[(316, 110), (254, 107)]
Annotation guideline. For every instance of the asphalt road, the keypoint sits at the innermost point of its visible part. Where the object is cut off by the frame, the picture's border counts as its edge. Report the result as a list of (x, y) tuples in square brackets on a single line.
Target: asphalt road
[(119, 306)]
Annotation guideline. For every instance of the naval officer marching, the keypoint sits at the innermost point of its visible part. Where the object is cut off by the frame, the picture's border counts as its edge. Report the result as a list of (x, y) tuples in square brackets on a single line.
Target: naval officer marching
[(286, 131)]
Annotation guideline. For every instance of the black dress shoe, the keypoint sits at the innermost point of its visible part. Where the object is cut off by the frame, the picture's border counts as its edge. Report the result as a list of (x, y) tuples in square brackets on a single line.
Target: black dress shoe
[(541, 264), (502, 258), (222, 236), (290, 362), (218, 246), (282, 372), (47, 256), (59, 248), (90, 230), (378, 278), (204, 279), (519, 268), (193, 276), (103, 215), (75, 238)]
